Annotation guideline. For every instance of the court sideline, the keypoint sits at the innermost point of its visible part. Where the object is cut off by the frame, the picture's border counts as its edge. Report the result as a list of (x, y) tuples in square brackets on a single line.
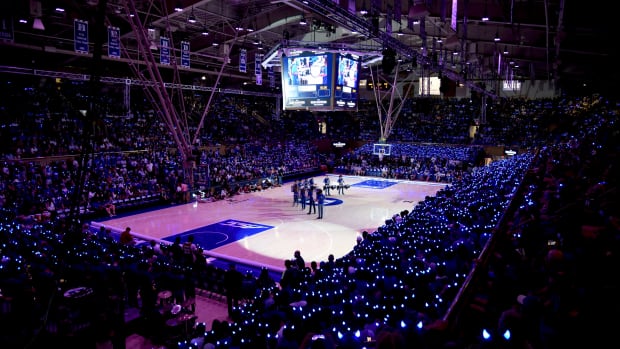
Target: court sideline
[(264, 228)]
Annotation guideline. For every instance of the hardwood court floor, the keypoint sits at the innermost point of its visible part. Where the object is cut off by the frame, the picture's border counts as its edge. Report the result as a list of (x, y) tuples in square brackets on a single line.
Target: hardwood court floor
[(366, 205)]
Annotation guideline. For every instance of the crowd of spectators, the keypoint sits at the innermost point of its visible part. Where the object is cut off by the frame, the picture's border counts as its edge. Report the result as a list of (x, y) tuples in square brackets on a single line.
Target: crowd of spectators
[(424, 162), (133, 155), (397, 284), (549, 283)]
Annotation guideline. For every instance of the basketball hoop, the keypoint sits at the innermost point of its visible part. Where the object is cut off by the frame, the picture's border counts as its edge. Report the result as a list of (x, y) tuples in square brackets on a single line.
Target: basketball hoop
[(381, 150)]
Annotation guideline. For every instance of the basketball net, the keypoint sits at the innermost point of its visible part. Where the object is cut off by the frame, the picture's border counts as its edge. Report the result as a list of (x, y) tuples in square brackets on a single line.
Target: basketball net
[(380, 156)]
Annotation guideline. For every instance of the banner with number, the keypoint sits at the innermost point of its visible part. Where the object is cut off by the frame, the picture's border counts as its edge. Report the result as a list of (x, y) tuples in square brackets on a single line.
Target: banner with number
[(164, 57), (272, 77), (242, 60), (258, 58), (6, 28), (185, 54), (114, 42), (80, 36)]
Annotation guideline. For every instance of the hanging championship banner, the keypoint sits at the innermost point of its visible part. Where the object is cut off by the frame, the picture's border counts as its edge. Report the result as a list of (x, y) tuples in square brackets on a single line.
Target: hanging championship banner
[(114, 42), (80, 36), (185, 54), (164, 57), (242, 60), (258, 59), (272, 77), (6, 28), (257, 69)]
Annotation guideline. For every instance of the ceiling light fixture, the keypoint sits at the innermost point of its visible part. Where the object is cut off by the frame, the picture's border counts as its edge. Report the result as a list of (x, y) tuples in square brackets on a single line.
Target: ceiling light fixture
[(204, 31), (303, 21), (363, 10), (485, 17), (178, 7), (506, 50), (496, 39), (191, 18)]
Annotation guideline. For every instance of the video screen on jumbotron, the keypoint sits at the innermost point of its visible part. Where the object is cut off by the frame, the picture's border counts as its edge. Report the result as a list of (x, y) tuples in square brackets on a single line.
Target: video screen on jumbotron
[(307, 78), (346, 86)]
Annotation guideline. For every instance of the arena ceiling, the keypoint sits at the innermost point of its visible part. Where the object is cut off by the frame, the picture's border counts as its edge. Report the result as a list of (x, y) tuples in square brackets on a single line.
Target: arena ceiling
[(569, 43)]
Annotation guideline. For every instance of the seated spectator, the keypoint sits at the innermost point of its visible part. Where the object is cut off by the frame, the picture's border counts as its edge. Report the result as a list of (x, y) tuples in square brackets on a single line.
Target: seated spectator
[(109, 206), (126, 238)]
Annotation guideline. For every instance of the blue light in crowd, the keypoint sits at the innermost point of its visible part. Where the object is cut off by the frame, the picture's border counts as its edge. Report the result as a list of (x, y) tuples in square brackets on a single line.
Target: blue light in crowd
[(486, 335)]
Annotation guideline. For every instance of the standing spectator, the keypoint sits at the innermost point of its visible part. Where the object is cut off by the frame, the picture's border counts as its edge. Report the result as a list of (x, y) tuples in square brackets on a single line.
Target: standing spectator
[(156, 247), (189, 250), (320, 199), (291, 278), (280, 176), (233, 280), (249, 287), (265, 281), (315, 271), (311, 201), (189, 286), (330, 265), (295, 190), (302, 196), (298, 260), (176, 250), (326, 185), (340, 185)]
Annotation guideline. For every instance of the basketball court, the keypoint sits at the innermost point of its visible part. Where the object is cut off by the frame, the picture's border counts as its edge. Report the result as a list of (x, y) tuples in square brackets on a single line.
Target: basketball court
[(264, 228)]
